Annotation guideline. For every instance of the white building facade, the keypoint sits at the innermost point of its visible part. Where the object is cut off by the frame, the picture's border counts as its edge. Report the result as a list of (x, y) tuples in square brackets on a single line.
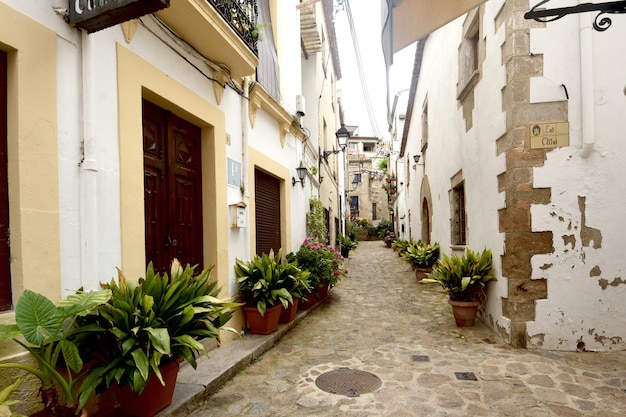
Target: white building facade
[(96, 121), (518, 125)]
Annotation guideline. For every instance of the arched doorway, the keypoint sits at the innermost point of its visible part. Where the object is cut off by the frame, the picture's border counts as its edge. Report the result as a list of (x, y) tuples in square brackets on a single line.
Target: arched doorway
[(425, 222)]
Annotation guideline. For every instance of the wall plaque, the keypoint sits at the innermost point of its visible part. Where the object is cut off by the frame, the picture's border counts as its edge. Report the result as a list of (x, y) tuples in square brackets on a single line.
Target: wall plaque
[(549, 135), (94, 15)]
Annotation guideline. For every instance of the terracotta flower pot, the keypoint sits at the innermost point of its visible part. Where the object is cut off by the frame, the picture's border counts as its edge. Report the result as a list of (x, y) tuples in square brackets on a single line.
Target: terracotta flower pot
[(154, 398), (464, 312), (265, 324), (323, 291), (420, 273), (388, 244), (288, 314), (309, 300)]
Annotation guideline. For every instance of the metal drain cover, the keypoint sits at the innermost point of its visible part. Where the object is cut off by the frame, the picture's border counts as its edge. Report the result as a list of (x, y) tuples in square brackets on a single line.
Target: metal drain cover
[(466, 376), (348, 382)]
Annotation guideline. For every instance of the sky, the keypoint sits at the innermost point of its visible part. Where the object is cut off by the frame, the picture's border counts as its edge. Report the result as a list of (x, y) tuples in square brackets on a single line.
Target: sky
[(367, 23)]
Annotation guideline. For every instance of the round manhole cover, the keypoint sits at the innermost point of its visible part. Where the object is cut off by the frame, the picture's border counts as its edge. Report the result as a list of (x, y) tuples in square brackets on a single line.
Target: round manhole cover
[(348, 382)]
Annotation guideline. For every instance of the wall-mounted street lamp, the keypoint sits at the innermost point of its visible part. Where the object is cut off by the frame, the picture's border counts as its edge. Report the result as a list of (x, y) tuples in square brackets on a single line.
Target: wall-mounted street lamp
[(342, 135), (600, 23), (301, 172), (416, 158)]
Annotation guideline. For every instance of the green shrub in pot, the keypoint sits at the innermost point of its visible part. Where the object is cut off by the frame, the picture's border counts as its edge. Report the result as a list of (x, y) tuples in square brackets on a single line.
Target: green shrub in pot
[(267, 280), (464, 277), (421, 255), (153, 320)]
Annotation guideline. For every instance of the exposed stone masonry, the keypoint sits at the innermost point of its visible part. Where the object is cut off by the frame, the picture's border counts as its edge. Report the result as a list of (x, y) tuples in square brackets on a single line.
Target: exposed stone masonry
[(516, 182)]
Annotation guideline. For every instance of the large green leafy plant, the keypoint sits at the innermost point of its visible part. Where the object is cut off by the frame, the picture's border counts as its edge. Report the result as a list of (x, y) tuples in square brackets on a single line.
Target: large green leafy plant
[(421, 255), (156, 319), (463, 278), (346, 242), (53, 335), (267, 280)]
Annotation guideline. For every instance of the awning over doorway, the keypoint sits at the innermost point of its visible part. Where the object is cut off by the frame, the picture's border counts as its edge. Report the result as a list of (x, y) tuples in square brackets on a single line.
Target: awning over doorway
[(407, 21)]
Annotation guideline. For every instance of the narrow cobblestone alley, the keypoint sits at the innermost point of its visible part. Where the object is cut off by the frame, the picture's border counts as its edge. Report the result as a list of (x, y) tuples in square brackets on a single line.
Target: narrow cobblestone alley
[(380, 320)]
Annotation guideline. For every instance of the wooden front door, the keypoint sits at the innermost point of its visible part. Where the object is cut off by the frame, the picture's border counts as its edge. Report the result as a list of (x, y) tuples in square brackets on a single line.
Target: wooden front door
[(5, 268), (172, 188), (267, 212)]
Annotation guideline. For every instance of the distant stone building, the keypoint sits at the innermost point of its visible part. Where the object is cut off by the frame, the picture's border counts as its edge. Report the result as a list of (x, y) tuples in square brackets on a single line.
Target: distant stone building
[(365, 182)]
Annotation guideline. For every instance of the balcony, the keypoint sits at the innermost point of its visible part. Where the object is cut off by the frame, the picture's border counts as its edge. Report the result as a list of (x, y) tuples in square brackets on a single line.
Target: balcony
[(223, 31)]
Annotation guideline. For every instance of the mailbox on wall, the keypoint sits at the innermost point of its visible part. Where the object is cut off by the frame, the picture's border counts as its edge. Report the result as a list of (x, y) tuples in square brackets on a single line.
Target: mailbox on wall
[(238, 215)]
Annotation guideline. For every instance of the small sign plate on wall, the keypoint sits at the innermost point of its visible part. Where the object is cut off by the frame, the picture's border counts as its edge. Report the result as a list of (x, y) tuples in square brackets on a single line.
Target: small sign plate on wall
[(234, 172), (548, 135)]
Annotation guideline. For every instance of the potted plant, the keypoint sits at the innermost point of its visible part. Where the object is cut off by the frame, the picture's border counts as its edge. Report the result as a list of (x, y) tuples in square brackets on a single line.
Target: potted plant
[(346, 244), (299, 287), (151, 325), (265, 284), (464, 279), (421, 257), (324, 263), (389, 237), (400, 245), (53, 335)]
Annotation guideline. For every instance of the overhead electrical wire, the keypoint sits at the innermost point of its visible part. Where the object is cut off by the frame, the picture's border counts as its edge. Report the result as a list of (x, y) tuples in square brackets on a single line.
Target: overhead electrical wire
[(359, 62)]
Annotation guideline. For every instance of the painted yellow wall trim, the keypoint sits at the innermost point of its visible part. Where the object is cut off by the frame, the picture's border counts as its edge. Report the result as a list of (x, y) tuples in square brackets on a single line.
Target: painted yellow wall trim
[(32, 154), (261, 99), (138, 79)]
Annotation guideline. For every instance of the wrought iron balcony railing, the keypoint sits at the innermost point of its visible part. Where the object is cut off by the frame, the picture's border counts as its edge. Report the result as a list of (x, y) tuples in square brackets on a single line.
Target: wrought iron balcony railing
[(241, 15)]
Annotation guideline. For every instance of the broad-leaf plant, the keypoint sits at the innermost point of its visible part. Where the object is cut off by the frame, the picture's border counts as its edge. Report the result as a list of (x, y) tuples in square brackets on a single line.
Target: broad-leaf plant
[(52, 335), (156, 319)]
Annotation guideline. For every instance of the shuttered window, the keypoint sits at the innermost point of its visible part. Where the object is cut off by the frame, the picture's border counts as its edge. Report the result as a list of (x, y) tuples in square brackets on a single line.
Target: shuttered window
[(267, 212)]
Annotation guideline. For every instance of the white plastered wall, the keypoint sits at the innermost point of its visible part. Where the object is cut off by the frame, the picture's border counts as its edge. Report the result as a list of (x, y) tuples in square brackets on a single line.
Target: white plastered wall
[(586, 286)]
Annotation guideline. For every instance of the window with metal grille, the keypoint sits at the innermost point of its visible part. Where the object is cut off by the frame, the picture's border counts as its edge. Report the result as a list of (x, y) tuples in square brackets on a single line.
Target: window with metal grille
[(354, 203), (369, 147), (459, 225)]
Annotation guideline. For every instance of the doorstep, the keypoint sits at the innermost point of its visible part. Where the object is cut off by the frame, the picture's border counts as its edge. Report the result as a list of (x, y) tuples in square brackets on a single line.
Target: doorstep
[(194, 385)]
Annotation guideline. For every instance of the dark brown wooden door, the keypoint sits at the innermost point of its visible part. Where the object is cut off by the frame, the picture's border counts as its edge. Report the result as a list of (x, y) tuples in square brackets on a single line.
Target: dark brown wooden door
[(172, 188), (5, 269), (267, 212)]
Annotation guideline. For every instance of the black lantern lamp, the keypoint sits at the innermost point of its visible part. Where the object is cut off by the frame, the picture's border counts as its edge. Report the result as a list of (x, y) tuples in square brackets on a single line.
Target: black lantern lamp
[(301, 171), (343, 134)]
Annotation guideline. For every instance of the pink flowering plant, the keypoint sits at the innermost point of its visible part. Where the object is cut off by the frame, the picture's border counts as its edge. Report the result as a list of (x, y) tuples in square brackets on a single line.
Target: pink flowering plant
[(389, 237), (323, 261)]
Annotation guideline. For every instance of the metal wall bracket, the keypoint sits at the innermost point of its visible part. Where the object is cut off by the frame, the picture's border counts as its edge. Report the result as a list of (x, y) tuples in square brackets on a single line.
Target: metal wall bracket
[(601, 22)]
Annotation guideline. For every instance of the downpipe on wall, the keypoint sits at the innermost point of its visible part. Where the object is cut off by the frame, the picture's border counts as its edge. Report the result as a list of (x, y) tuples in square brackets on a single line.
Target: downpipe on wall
[(245, 131), (586, 84), (89, 165)]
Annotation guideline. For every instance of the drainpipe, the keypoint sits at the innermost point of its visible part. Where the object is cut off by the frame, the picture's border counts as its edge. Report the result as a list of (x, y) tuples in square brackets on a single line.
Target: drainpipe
[(245, 127), (88, 176), (245, 131), (586, 84)]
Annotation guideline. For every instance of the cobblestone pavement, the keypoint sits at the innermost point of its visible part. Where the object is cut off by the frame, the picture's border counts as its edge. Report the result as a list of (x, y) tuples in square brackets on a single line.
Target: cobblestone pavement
[(380, 320)]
